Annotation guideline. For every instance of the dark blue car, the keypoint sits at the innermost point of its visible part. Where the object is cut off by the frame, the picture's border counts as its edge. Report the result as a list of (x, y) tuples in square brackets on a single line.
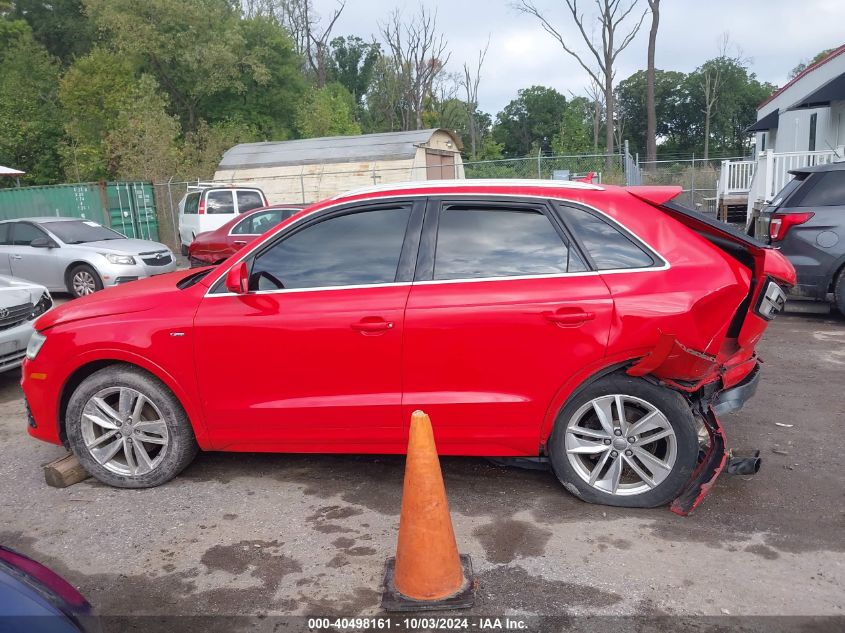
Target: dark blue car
[(34, 599)]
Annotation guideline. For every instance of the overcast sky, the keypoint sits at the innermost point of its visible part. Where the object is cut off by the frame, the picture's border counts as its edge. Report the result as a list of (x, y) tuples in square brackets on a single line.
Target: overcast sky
[(773, 34)]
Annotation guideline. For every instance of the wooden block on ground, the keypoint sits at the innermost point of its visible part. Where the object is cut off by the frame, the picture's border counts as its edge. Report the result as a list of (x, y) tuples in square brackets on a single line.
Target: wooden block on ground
[(64, 472)]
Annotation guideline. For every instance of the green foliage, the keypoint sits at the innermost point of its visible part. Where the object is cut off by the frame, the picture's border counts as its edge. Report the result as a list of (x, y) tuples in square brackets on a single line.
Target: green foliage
[(803, 65), (680, 102), (196, 49), (203, 148), (327, 111), (94, 92), (266, 100), (669, 97), (735, 109), (576, 129), (143, 143), (533, 117), (30, 123), (352, 62), (61, 26)]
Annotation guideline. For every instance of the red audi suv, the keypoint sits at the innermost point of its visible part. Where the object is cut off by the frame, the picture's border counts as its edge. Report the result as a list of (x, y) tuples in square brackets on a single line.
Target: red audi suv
[(603, 328)]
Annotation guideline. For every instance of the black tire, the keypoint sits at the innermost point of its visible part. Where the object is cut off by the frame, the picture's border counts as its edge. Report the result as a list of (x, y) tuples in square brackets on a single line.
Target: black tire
[(839, 292), (178, 452), (83, 271), (183, 249), (679, 416)]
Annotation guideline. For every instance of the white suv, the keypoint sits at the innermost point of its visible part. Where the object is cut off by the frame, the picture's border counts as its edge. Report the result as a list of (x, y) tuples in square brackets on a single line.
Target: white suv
[(208, 207)]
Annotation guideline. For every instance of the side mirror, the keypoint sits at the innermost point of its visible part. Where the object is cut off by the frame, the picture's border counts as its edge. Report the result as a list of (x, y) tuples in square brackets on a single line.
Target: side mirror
[(237, 279), (43, 242)]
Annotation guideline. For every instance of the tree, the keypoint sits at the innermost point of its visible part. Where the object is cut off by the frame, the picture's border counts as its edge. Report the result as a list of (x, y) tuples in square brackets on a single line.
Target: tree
[(534, 117), (418, 55), (575, 134), (612, 16), (61, 26), (143, 144), (327, 111), (803, 65), (194, 48), (470, 83), (94, 92), (352, 62), (632, 102), (302, 22), (651, 108), (386, 110), (265, 102), (30, 119)]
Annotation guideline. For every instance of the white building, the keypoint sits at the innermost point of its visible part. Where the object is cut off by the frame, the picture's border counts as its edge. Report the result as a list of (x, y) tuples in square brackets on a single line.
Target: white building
[(311, 169), (801, 124), (808, 113)]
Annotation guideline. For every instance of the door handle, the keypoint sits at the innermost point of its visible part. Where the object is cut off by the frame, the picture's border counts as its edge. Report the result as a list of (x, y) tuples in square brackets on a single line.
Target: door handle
[(239, 242), (17, 256), (569, 317), (372, 326)]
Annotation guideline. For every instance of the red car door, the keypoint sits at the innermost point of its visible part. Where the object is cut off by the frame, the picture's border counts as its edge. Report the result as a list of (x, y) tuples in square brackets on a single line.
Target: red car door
[(309, 359), (502, 313)]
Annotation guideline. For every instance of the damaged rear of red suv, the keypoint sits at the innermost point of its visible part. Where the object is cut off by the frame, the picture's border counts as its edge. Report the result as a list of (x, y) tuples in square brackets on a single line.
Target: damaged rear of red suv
[(720, 377)]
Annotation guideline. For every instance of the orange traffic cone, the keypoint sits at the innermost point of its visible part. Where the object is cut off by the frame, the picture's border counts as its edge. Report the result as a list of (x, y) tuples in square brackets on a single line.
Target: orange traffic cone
[(427, 573)]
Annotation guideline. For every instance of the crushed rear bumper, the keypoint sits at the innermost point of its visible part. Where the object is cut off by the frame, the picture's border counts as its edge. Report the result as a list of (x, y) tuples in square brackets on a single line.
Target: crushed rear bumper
[(731, 400), (705, 474)]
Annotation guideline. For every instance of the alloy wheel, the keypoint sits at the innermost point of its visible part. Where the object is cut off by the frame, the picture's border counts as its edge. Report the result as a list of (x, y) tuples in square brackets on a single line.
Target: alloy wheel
[(620, 444), (84, 283), (124, 431)]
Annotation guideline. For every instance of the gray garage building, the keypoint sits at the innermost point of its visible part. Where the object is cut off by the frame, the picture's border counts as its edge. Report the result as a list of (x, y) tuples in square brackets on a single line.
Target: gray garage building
[(312, 169)]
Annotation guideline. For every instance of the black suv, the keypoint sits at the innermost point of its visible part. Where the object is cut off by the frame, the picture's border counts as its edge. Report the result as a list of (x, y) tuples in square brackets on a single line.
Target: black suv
[(806, 220)]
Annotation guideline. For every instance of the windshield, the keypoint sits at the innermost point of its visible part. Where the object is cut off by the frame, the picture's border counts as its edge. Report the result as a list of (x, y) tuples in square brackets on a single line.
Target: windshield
[(79, 232)]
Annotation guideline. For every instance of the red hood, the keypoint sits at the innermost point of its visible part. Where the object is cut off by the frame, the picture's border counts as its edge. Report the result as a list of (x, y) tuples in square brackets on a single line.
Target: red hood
[(135, 296)]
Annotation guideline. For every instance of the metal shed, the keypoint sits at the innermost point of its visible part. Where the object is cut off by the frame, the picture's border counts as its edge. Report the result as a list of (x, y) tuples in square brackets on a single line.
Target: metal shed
[(312, 169)]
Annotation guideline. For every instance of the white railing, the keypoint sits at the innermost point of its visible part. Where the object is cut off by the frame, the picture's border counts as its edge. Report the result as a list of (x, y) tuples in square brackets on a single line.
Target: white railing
[(762, 179), (735, 177)]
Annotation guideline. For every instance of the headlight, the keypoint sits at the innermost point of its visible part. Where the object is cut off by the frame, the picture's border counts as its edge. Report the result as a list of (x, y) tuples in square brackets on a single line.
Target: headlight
[(44, 304), (36, 341), (120, 259)]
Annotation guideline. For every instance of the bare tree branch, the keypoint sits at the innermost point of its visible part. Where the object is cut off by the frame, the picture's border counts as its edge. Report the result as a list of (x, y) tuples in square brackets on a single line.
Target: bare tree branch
[(419, 55), (611, 16), (470, 82)]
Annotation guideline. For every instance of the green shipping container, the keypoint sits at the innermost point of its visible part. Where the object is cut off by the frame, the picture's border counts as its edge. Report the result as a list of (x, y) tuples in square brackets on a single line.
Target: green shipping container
[(127, 207)]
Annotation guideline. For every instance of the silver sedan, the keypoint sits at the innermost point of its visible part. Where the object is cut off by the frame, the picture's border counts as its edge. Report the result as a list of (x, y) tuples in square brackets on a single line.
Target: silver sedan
[(21, 302), (76, 255)]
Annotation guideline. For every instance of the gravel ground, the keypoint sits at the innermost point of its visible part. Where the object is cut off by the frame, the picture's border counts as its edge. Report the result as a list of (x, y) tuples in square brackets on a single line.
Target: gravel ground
[(289, 534)]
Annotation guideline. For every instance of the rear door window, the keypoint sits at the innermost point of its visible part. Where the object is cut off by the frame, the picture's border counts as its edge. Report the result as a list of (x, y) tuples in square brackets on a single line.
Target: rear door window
[(607, 245), (259, 222), (4, 234), (220, 202), (825, 189), (249, 200), (477, 241)]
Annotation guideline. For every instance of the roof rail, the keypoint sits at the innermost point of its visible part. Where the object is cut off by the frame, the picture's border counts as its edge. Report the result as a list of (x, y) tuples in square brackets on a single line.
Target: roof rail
[(208, 184)]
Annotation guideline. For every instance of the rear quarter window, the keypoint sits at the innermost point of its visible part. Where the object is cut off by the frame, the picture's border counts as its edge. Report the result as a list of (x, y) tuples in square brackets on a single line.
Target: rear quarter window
[(191, 203), (607, 245), (249, 200), (825, 189)]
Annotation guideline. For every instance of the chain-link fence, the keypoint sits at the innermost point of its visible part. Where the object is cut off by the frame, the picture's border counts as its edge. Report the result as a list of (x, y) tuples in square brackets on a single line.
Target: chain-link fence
[(607, 168), (697, 176)]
